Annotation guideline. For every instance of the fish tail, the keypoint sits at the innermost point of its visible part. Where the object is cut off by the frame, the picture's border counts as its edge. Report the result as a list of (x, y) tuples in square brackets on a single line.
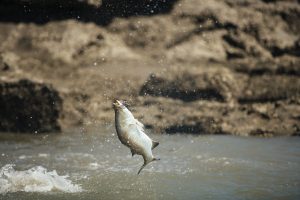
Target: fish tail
[(154, 159)]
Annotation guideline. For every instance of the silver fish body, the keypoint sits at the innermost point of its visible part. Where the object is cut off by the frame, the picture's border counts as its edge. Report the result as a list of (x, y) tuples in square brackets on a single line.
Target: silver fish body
[(131, 133)]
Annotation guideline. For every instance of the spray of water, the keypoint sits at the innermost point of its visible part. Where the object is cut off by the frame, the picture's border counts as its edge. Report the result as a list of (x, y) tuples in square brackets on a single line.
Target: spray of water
[(36, 179)]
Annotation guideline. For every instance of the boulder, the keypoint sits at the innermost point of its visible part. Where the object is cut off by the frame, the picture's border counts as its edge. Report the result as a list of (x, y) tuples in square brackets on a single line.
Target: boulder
[(29, 107)]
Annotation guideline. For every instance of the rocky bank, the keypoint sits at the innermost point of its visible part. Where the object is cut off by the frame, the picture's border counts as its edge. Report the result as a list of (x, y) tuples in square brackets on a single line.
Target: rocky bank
[(184, 66), (29, 107)]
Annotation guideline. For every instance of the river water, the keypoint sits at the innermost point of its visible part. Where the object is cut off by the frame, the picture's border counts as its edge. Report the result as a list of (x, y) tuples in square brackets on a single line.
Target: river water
[(93, 164)]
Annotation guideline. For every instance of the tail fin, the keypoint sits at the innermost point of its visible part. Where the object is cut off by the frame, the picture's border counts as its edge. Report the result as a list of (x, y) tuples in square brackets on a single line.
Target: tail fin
[(154, 144), (141, 168), (145, 163), (154, 159)]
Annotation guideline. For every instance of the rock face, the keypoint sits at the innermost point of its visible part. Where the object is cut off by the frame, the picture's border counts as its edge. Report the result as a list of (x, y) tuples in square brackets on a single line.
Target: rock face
[(29, 107), (185, 66), (266, 88), (190, 85), (259, 106)]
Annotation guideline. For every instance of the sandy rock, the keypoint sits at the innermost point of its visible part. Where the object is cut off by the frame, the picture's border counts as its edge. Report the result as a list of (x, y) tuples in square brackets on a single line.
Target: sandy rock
[(241, 45), (270, 88), (288, 65), (239, 61), (212, 14), (209, 117), (190, 85), (198, 48)]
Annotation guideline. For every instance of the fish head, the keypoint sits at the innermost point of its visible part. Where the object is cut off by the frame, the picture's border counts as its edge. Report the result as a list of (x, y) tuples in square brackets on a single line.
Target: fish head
[(117, 105)]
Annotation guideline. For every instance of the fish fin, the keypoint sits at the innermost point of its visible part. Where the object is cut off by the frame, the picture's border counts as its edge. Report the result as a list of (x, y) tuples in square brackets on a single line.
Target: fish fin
[(141, 168), (132, 153), (154, 144), (155, 159), (145, 163)]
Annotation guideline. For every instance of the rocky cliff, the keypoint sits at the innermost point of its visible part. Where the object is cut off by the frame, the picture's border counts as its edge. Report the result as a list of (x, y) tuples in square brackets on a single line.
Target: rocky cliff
[(190, 66)]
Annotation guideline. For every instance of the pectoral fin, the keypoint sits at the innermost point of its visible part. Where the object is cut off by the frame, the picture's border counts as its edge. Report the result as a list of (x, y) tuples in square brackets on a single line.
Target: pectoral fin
[(154, 144), (145, 163)]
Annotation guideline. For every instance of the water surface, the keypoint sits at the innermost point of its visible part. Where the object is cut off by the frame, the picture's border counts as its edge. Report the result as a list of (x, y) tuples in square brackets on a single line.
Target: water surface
[(93, 164)]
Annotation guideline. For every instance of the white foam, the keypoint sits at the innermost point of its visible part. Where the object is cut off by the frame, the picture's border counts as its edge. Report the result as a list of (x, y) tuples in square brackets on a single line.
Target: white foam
[(36, 179)]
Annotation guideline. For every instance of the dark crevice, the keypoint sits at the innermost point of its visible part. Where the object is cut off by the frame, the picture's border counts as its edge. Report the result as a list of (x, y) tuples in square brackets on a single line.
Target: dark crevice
[(205, 127), (191, 129), (255, 72), (41, 12), (276, 52), (268, 68), (187, 96), (233, 42), (208, 94), (197, 31), (259, 100), (184, 89), (234, 55), (289, 72), (187, 36), (294, 50)]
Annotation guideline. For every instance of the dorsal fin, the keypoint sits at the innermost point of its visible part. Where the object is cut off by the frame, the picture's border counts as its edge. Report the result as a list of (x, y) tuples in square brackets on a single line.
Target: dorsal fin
[(154, 144), (132, 152)]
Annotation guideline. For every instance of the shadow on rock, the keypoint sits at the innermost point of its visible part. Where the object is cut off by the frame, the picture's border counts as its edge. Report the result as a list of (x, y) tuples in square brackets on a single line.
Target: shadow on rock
[(208, 84), (29, 107)]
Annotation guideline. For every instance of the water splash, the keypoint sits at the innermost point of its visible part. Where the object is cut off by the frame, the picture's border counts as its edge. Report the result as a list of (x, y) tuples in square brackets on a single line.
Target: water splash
[(36, 179)]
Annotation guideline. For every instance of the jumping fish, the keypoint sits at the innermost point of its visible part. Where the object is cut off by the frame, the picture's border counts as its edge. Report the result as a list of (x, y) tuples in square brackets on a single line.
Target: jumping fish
[(131, 133)]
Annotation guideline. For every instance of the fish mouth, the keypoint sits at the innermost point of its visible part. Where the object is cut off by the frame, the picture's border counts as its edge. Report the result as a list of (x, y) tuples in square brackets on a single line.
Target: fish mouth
[(117, 104)]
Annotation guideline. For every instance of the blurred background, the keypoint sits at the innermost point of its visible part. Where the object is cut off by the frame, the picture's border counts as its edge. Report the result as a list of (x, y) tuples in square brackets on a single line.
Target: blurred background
[(194, 72), (213, 67)]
